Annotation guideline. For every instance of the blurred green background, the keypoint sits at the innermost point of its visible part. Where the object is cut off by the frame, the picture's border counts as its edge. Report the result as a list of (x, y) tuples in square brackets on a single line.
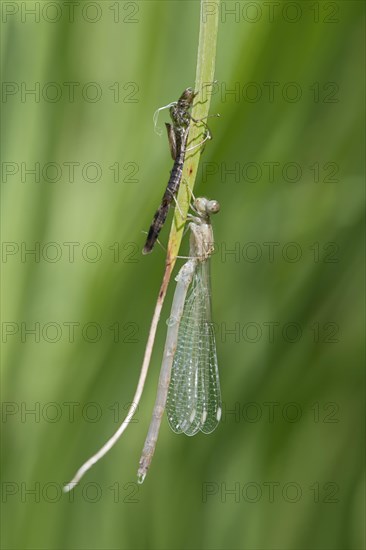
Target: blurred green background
[(285, 468)]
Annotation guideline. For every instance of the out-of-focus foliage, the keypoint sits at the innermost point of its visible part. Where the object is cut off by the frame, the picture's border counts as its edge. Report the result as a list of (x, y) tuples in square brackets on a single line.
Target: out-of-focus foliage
[(285, 467)]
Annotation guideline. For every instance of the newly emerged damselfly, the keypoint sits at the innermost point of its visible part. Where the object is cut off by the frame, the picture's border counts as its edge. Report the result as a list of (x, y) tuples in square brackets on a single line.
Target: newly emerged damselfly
[(189, 378), (189, 386)]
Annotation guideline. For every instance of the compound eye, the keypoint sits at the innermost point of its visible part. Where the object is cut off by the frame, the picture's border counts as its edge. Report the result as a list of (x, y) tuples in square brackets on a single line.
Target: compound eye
[(213, 207), (200, 205)]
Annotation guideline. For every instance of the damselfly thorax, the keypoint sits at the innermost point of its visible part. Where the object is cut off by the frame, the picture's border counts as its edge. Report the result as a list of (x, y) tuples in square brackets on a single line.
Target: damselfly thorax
[(201, 239)]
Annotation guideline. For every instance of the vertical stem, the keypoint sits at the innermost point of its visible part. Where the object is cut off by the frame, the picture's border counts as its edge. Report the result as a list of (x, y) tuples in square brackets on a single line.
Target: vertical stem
[(205, 75)]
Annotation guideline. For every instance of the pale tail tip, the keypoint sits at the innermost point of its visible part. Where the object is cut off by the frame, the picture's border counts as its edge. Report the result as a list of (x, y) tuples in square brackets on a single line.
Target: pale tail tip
[(146, 250), (141, 478), (68, 487)]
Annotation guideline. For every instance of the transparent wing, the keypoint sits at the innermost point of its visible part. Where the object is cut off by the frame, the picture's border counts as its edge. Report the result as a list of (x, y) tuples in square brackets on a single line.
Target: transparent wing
[(194, 398)]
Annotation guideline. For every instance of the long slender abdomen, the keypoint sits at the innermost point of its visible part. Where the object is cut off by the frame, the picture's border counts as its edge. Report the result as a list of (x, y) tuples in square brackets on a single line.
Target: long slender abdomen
[(162, 212)]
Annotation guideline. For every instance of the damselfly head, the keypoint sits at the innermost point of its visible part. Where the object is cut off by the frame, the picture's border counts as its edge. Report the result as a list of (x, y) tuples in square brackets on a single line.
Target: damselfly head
[(206, 207), (187, 97), (184, 102)]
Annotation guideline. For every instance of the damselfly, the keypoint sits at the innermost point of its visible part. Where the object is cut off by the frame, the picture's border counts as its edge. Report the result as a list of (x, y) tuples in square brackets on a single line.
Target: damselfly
[(189, 384), (177, 135)]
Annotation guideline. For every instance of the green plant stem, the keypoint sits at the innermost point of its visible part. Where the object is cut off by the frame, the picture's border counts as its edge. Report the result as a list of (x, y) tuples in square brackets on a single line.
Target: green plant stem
[(205, 74)]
